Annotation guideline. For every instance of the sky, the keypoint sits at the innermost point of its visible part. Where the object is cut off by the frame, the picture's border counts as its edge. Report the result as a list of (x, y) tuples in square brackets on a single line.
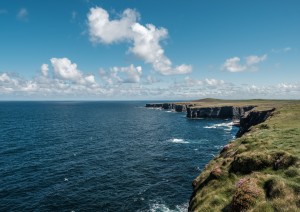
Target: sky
[(149, 50)]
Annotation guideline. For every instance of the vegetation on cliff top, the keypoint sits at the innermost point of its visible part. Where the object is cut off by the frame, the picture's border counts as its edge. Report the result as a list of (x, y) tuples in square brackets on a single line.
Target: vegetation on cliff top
[(259, 171)]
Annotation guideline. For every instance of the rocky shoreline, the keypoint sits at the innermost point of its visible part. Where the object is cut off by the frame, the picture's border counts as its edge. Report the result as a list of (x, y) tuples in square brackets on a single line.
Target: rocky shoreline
[(243, 116), (251, 172)]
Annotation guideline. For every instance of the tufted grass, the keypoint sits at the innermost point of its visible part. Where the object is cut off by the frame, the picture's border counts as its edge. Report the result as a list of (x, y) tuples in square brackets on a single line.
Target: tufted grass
[(268, 156)]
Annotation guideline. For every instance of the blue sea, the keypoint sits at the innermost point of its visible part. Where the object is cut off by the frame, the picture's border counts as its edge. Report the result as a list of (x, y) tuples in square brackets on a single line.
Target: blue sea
[(102, 156)]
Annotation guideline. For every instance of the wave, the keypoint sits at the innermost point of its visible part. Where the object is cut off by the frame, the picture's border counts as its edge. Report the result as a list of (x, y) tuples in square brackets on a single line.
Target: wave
[(158, 207), (178, 141), (226, 126)]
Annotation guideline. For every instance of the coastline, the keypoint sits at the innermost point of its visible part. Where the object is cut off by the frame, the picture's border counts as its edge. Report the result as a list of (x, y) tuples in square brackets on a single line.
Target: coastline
[(259, 170)]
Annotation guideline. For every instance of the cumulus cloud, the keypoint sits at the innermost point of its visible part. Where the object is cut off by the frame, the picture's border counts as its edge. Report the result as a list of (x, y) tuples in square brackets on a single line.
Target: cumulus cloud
[(65, 69), (44, 69), (4, 77), (105, 31), (145, 39), (23, 14), (234, 64), (66, 80), (133, 73), (130, 74)]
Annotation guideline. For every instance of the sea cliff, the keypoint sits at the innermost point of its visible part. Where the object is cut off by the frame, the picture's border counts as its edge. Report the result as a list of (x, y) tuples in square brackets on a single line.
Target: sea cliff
[(260, 169)]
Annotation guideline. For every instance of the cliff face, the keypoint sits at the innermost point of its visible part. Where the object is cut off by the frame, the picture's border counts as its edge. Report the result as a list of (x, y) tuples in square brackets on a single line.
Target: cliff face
[(178, 107), (222, 112), (252, 118), (154, 105)]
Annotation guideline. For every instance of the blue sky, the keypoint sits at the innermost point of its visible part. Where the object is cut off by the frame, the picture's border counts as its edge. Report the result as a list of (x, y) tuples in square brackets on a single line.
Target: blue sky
[(119, 50)]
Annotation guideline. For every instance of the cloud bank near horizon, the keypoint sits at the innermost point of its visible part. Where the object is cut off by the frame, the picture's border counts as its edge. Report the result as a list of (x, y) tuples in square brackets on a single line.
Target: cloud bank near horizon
[(63, 79)]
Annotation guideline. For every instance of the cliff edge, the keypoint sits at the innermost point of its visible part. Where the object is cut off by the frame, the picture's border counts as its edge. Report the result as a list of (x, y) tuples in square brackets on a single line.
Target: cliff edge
[(258, 171)]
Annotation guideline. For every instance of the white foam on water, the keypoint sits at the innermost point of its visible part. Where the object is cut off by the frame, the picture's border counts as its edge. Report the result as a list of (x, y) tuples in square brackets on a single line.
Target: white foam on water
[(159, 207), (178, 141), (218, 146), (227, 126), (210, 127)]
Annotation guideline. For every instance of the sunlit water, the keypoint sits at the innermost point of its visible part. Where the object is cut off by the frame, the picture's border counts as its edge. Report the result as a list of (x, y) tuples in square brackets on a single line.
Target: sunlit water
[(102, 156)]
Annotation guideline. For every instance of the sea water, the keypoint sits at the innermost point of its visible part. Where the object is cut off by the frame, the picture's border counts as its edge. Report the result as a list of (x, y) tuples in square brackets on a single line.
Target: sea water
[(102, 156)]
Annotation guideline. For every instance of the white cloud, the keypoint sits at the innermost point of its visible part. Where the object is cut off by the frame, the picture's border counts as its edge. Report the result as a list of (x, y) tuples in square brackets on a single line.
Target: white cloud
[(214, 82), (90, 79), (283, 50), (233, 64), (133, 73), (4, 77), (127, 83), (65, 69), (253, 59), (206, 82), (145, 39), (44, 69), (151, 79), (23, 14), (116, 75), (105, 31), (189, 88), (192, 88)]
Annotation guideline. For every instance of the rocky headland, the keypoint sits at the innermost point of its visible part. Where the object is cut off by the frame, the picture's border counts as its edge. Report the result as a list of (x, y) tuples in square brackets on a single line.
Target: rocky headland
[(259, 170)]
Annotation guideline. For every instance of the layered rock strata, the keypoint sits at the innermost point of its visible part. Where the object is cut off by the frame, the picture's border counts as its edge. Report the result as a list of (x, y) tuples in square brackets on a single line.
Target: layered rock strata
[(222, 112)]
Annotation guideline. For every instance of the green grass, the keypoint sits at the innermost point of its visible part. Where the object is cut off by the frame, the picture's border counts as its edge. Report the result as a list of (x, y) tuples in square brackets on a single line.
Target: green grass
[(268, 157)]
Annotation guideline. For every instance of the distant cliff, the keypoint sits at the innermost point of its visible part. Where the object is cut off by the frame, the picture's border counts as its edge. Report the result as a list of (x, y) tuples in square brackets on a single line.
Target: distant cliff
[(222, 112), (178, 107)]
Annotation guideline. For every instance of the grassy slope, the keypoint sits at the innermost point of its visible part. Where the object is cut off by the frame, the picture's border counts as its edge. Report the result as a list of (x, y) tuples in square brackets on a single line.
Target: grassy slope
[(266, 174)]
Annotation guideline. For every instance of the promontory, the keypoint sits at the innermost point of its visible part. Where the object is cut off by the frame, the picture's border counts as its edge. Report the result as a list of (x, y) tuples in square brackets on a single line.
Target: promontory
[(257, 171)]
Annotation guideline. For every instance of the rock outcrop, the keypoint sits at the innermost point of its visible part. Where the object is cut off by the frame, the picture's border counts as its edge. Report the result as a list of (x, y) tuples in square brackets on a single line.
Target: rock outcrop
[(252, 118)]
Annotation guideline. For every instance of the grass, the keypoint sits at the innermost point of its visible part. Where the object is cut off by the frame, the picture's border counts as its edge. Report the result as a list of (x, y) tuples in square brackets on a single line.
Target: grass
[(266, 159)]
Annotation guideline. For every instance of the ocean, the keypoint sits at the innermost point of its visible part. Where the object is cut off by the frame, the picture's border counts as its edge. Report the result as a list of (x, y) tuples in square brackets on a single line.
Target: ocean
[(102, 156)]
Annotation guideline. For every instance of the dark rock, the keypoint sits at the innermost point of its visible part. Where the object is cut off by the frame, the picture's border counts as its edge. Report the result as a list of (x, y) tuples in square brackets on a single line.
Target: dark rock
[(222, 112), (154, 105), (252, 118)]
